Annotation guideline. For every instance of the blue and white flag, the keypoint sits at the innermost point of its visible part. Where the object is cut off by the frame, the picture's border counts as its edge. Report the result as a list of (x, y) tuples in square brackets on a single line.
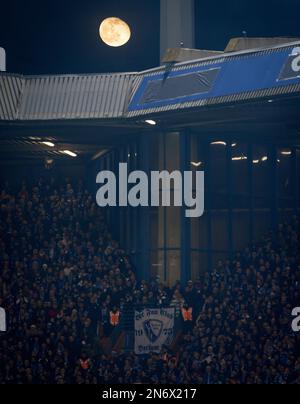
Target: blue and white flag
[(154, 328)]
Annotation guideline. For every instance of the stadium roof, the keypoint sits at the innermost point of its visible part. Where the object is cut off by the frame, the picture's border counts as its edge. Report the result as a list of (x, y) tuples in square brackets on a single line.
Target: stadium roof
[(237, 94), (216, 80)]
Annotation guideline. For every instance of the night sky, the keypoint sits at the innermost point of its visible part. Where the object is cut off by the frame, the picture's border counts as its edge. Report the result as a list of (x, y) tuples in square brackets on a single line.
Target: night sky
[(52, 36)]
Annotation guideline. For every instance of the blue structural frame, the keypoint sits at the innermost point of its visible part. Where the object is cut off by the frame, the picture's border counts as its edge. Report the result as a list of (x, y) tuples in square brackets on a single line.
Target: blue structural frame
[(237, 75)]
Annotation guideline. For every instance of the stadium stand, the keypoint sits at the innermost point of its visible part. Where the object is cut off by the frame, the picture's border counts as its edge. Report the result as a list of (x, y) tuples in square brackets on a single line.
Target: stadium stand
[(63, 280)]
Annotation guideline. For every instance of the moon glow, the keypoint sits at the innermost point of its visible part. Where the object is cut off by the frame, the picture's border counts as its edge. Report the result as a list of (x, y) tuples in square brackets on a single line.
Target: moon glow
[(114, 32)]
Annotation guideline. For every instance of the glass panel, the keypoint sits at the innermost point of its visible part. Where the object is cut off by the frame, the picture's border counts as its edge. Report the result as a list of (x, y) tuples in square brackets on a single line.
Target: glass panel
[(173, 267), (262, 185), (133, 228), (173, 226), (261, 223), (241, 230), (161, 227), (198, 153), (240, 175), (284, 215), (219, 174), (199, 264), (172, 152), (156, 151), (199, 236), (285, 186), (298, 178), (157, 228), (194, 149), (220, 224), (199, 232), (157, 265), (155, 239)]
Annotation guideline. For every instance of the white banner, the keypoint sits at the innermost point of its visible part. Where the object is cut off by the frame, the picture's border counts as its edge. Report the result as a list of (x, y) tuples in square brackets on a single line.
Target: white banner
[(154, 328), (2, 320)]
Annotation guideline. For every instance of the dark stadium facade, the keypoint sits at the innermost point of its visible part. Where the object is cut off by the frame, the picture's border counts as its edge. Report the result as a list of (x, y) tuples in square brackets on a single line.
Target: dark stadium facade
[(234, 115)]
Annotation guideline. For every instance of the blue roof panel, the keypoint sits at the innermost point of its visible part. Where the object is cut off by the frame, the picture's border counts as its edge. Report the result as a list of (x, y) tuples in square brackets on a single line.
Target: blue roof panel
[(237, 75)]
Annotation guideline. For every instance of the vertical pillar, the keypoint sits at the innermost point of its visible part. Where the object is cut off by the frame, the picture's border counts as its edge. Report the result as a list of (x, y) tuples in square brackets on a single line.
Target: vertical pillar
[(115, 218), (185, 242), (208, 202), (273, 175), (251, 188), (177, 24), (295, 183), (297, 157), (230, 195), (144, 236)]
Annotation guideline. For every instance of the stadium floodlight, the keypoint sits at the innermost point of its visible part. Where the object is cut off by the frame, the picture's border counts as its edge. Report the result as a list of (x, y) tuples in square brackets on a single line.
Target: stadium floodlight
[(49, 144), (150, 122), (69, 153)]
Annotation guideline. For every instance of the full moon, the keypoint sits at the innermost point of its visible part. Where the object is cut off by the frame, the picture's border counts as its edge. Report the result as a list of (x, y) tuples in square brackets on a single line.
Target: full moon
[(114, 32)]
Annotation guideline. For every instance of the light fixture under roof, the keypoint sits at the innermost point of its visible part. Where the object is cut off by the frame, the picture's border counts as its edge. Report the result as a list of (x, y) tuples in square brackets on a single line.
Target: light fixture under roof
[(239, 158), (234, 145), (49, 162), (150, 122), (286, 152), (49, 144), (265, 158), (219, 143), (255, 161), (196, 163), (69, 153)]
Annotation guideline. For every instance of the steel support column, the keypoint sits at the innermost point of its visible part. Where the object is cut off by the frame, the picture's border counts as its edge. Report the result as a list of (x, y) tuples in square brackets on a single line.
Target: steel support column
[(185, 242)]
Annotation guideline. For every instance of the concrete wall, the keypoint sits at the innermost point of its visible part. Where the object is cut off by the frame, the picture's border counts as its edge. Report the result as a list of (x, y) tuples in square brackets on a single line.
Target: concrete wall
[(177, 24)]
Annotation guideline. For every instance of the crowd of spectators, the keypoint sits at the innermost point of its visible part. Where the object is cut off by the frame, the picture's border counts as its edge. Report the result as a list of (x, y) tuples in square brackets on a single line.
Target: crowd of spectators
[(62, 274)]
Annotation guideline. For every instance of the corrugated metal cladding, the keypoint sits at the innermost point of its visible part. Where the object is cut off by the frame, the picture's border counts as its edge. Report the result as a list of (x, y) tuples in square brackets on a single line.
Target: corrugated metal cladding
[(75, 97), (10, 96), (108, 96), (64, 97)]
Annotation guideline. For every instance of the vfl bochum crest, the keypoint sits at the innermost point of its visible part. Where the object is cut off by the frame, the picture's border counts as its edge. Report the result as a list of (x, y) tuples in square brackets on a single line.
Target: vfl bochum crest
[(154, 328)]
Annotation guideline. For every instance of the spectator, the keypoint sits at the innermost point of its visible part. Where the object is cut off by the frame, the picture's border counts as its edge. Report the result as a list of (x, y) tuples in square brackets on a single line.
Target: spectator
[(62, 276)]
